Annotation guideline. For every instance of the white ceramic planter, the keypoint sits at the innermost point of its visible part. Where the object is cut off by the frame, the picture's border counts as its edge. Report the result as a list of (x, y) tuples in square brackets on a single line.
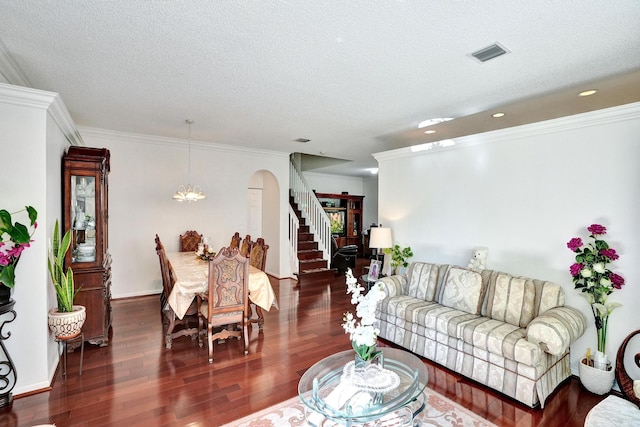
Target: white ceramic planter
[(595, 380), (67, 325)]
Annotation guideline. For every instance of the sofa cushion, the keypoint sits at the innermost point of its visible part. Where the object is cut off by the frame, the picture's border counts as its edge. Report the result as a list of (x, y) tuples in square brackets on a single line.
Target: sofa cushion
[(462, 289), (510, 299), (422, 280), (500, 338), (548, 295)]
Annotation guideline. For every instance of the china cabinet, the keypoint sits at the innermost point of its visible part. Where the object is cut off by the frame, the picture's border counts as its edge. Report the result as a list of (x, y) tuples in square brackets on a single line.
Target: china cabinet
[(86, 212), (345, 213)]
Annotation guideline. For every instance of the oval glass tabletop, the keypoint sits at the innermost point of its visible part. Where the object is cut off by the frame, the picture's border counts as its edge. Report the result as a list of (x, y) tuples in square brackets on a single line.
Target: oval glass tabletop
[(324, 391)]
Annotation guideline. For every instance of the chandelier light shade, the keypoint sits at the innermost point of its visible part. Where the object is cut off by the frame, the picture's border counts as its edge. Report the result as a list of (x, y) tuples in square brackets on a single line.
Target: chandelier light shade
[(189, 193)]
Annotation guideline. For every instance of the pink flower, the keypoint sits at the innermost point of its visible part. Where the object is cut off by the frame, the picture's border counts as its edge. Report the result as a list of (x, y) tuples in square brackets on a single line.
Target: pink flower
[(609, 253), (574, 244), (597, 229), (617, 280), (575, 269)]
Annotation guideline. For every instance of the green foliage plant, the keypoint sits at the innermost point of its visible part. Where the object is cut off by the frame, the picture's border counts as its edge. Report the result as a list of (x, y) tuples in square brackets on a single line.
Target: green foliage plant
[(62, 282), (399, 256)]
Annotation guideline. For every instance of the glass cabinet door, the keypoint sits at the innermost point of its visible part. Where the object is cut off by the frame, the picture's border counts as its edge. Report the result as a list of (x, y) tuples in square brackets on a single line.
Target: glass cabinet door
[(83, 217)]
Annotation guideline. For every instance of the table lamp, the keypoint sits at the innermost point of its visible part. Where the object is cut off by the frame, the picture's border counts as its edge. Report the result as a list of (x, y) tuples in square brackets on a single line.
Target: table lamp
[(379, 239)]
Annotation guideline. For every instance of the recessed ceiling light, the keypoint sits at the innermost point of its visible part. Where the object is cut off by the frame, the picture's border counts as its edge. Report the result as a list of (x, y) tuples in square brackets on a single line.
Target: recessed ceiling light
[(302, 140), (587, 92), (429, 131), (434, 121), (497, 115)]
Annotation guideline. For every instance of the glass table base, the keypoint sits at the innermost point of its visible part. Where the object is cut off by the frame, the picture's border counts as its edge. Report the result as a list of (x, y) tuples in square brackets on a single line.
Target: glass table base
[(402, 417)]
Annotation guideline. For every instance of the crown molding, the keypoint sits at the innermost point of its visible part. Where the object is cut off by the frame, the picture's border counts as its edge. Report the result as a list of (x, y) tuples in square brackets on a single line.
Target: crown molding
[(577, 121), (9, 69), (51, 102), (107, 134)]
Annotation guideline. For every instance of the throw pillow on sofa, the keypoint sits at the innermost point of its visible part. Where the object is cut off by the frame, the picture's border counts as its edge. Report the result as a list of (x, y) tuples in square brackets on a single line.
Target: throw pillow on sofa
[(462, 290)]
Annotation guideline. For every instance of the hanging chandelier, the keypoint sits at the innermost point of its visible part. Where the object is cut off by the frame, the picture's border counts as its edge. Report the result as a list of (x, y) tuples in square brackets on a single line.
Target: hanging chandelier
[(188, 193)]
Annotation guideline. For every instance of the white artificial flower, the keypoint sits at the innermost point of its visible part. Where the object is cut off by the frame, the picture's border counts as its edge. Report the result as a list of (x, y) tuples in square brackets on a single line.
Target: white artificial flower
[(598, 268), (605, 282), (586, 273)]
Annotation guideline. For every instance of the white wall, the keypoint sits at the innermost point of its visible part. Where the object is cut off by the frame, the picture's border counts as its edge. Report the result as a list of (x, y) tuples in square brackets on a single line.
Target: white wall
[(524, 192), (35, 128), (146, 171)]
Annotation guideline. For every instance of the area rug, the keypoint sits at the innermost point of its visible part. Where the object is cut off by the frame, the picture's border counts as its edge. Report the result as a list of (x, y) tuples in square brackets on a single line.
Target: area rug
[(439, 411)]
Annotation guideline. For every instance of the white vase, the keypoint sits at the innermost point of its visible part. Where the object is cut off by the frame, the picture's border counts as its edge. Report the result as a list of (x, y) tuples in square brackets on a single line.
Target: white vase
[(596, 380), (600, 360), (67, 325)]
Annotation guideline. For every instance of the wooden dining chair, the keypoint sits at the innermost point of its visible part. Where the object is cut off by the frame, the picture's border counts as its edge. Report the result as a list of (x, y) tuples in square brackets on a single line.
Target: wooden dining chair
[(189, 241), (258, 256), (258, 259), (224, 307), (235, 241), (245, 247), (169, 319)]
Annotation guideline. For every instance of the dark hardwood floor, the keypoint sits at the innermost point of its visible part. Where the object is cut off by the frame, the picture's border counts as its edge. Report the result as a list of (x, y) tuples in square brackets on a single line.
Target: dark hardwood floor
[(136, 381)]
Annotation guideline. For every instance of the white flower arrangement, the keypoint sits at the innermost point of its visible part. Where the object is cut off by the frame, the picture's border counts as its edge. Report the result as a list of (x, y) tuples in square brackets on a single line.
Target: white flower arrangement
[(364, 334)]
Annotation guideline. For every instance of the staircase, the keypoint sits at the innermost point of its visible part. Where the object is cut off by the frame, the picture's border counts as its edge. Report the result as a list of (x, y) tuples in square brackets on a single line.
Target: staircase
[(312, 266)]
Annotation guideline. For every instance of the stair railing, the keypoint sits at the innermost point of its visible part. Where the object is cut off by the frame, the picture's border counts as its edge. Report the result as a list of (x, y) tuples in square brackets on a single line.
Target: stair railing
[(294, 226), (311, 209)]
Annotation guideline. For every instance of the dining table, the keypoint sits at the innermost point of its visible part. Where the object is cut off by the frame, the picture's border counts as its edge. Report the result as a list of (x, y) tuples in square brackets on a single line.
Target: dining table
[(191, 276)]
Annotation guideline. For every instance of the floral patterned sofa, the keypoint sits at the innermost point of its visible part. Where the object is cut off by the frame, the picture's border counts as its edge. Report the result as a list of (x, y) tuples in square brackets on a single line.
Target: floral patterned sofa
[(510, 333)]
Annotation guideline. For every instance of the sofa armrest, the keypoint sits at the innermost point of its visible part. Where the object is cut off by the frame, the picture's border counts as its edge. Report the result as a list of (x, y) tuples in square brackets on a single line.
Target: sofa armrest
[(556, 329), (393, 284)]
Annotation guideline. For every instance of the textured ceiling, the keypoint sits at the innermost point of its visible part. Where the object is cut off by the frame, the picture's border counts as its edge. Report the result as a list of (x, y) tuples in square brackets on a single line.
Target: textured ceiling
[(354, 77)]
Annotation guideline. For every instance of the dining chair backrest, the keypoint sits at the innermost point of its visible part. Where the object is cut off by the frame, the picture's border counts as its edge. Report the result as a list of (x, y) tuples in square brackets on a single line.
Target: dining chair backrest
[(235, 241), (245, 247), (165, 268), (189, 241), (258, 256), (228, 286)]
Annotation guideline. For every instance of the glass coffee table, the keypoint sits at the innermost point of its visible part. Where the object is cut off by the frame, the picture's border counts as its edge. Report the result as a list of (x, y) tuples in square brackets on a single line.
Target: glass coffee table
[(321, 391)]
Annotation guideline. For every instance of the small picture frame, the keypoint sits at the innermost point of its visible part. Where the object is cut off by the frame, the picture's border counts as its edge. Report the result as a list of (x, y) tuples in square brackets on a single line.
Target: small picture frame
[(374, 270)]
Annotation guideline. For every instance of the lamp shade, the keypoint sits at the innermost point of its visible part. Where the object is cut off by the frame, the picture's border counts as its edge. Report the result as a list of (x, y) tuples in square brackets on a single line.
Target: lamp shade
[(380, 238)]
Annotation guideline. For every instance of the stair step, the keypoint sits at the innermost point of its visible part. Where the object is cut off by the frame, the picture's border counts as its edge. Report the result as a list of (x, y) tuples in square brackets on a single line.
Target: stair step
[(303, 229), (312, 264), (303, 246), (309, 254), (305, 237)]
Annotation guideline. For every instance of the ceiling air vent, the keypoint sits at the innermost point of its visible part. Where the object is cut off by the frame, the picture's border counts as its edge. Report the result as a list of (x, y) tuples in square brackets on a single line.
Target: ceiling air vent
[(490, 52)]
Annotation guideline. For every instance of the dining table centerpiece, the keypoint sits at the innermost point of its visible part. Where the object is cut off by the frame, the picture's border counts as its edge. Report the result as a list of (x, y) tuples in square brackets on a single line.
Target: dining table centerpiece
[(596, 282), (15, 237)]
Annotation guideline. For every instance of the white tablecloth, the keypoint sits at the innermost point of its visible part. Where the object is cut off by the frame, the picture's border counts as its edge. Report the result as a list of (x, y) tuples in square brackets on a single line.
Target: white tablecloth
[(192, 277)]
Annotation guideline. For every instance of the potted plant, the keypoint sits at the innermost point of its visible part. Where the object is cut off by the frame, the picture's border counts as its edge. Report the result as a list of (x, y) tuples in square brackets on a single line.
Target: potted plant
[(596, 282), (399, 257), (14, 239), (67, 319)]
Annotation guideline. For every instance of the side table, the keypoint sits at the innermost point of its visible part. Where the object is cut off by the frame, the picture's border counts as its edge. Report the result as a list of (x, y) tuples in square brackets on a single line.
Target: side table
[(8, 375), (368, 283), (64, 344)]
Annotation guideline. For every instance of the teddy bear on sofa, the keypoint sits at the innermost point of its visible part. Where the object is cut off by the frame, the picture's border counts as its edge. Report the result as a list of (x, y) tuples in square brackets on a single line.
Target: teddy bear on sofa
[(478, 258)]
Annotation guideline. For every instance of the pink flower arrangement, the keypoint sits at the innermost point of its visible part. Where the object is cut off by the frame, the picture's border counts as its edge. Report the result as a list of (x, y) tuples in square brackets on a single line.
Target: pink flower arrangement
[(591, 275), (14, 239)]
